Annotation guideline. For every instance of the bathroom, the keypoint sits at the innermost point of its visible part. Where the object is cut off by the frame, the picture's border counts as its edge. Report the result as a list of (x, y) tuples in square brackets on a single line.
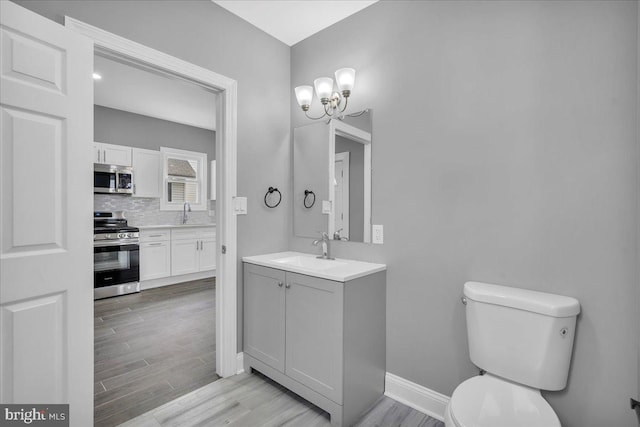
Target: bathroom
[(505, 150)]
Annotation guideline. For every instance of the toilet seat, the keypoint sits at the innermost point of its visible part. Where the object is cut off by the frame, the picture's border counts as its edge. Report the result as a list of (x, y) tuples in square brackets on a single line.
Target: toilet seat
[(488, 401)]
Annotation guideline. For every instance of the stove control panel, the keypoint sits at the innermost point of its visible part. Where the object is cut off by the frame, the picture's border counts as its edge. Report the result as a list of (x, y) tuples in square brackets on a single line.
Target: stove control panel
[(115, 237)]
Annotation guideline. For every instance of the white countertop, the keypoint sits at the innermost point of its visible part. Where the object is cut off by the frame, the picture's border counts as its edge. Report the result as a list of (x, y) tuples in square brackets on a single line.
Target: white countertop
[(152, 227), (341, 270)]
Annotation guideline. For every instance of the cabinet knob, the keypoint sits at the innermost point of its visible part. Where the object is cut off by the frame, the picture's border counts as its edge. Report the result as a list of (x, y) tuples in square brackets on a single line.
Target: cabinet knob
[(288, 285), (280, 284)]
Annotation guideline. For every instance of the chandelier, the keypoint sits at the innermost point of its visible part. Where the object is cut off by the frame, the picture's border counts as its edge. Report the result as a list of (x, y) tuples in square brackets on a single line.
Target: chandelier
[(330, 100)]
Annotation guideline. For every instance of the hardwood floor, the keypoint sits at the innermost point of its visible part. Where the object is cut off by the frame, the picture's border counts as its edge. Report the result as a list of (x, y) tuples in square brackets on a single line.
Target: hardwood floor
[(151, 348), (252, 400)]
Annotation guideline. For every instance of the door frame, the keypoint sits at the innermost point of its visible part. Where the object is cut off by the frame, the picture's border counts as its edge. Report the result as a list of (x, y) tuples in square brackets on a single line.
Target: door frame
[(226, 155), (344, 159), (340, 128)]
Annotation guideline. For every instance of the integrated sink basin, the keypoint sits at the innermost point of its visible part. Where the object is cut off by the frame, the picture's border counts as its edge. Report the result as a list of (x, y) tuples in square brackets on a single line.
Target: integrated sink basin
[(310, 262), (340, 270)]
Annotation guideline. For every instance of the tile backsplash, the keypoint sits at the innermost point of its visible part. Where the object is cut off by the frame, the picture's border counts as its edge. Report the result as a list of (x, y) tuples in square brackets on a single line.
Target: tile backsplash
[(144, 211)]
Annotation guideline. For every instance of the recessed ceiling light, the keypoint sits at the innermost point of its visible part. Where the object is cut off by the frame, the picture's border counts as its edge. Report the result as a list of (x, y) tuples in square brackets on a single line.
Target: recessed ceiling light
[(97, 76)]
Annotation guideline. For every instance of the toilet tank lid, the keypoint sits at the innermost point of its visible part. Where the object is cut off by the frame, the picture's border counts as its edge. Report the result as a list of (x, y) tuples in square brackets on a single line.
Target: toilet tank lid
[(523, 299)]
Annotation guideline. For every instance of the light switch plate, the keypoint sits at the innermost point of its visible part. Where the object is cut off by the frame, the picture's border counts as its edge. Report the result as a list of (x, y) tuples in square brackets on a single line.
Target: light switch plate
[(378, 234), (240, 207), (326, 207)]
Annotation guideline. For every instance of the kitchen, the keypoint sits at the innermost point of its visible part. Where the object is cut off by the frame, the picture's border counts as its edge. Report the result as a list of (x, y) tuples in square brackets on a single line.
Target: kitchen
[(154, 239)]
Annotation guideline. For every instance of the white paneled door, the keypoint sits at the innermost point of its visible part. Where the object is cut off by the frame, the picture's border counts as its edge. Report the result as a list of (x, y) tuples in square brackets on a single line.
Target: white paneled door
[(46, 291)]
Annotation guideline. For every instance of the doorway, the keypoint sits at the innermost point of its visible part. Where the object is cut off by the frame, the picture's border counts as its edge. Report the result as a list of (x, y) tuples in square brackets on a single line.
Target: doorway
[(124, 50), (156, 345)]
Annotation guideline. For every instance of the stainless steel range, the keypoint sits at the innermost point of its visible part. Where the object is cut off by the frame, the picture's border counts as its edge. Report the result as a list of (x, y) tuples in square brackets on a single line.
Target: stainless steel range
[(116, 256)]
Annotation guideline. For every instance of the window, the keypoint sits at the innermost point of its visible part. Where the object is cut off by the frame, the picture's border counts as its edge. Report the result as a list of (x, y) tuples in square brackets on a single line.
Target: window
[(184, 179)]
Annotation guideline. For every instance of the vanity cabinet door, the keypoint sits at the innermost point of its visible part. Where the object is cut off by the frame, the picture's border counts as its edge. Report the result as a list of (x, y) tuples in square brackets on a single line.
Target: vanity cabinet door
[(314, 333), (264, 314)]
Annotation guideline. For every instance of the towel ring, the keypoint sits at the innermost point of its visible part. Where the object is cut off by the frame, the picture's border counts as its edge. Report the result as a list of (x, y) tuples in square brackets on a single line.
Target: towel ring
[(308, 204), (270, 191)]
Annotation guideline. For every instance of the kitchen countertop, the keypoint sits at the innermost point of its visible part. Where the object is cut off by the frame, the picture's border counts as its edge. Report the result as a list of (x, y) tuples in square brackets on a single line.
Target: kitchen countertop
[(154, 227)]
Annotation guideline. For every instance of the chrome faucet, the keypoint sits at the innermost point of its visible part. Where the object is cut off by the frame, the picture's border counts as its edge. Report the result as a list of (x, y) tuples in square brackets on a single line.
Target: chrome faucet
[(185, 208), (326, 249)]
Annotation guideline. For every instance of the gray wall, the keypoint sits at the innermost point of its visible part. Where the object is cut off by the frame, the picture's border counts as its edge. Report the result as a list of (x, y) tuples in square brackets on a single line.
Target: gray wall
[(207, 35), (125, 128), (517, 121), (356, 185)]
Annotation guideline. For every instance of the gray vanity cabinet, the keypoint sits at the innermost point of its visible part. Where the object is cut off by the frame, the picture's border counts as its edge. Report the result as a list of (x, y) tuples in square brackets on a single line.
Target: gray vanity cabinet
[(313, 338), (264, 312), (322, 339)]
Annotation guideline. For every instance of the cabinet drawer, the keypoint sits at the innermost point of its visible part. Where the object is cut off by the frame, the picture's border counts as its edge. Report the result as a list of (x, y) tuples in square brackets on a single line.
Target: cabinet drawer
[(208, 233), (193, 233), (160, 235)]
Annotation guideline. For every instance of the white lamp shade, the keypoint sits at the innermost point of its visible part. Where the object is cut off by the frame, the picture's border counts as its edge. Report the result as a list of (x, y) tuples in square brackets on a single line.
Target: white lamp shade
[(304, 95), (345, 78), (324, 87)]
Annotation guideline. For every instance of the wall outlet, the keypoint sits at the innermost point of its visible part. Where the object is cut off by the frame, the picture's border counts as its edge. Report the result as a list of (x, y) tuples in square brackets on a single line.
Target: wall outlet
[(378, 234)]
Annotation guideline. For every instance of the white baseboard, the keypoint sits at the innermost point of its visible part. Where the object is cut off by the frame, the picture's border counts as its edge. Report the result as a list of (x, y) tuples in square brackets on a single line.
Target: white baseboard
[(240, 363), (404, 391), (415, 396)]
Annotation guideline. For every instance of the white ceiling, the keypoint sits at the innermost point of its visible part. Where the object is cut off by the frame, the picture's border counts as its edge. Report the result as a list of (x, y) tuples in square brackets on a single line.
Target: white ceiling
[(125, 87), (291, 21)]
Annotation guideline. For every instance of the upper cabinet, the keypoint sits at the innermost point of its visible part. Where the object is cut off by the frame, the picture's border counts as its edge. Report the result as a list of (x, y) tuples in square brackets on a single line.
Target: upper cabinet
[(147, 165), (109, 154)]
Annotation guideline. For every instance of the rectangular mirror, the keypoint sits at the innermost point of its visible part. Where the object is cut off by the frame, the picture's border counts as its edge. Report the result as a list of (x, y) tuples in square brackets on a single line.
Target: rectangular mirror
[(332, 178)]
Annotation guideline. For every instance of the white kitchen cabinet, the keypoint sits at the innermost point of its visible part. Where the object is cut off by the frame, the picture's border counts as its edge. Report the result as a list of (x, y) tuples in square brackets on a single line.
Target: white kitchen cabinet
[(155, 254), (147, 178), (193, 249), (110, 154), (207, 254), (185, 256)]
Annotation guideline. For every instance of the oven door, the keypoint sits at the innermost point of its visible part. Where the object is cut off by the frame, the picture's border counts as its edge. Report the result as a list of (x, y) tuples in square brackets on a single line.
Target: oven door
[(114, 265)]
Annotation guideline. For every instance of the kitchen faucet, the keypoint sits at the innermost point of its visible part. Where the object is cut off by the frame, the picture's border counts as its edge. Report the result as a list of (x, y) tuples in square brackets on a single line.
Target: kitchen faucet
[(326, 249), (336, 235), (185, 208)]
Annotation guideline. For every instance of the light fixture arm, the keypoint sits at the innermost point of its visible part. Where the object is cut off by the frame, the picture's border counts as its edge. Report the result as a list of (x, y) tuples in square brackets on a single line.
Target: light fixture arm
[(313, 118)]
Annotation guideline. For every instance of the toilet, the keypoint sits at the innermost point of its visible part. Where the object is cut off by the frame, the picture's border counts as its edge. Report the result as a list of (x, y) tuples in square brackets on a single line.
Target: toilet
[(523, 340)]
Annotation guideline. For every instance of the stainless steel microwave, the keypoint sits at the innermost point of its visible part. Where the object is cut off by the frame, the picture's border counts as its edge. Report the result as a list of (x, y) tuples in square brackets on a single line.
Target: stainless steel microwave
[(112, 179)]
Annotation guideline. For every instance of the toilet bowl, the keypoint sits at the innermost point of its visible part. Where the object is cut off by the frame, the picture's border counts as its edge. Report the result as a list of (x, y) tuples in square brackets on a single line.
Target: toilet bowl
[(489, 401), (523, 340)]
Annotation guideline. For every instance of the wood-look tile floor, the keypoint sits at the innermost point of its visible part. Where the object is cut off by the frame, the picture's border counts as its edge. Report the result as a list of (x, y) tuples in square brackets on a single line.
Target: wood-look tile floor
[(252, 400), (151, 348)]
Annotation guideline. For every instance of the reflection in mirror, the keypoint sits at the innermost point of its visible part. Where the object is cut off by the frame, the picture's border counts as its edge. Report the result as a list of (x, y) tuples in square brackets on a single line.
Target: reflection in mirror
[(334, 161), (310, 174)]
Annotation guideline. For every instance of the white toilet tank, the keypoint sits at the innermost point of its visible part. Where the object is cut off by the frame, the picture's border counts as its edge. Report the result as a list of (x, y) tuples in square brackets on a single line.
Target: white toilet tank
[(521, 335)]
